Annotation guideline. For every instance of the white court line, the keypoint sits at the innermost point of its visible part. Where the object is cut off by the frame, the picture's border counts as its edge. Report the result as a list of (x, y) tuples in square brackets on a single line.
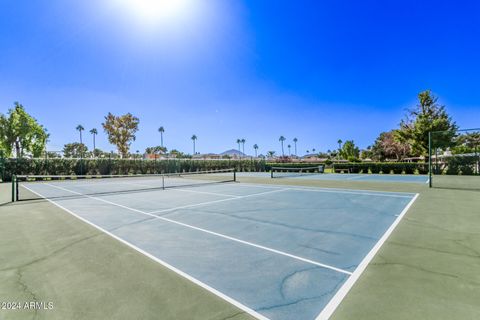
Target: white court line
[(182, 190), (204, 192), (342, 292), (322, 265), (165, 264), (217, 201), (354, 177)]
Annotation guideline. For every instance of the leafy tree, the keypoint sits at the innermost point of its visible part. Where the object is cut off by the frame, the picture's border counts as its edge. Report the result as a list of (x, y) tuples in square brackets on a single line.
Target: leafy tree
[(194, 138), (349, 150), (161, 130), (255, 146), (80, 128), (388, 146), (178, 154), (21, 132), (282, 139), (295, 140), (94, 132), (156, 150), (427, 116), (121, 131), (367, 153), (74, 150), (52, 155), (467, 143), (97, 153)]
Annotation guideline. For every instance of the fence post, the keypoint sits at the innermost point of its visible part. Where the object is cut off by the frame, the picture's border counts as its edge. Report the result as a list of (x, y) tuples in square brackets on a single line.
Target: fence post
[(430, 159), (13, 188), (2, 165)]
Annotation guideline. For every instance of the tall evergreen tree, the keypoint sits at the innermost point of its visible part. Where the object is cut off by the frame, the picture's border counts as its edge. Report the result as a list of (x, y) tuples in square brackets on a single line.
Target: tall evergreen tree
[(426, 117)]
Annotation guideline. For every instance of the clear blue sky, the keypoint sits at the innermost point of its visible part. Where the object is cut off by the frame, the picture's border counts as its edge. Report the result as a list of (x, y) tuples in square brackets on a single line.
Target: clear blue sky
[(253, 69)]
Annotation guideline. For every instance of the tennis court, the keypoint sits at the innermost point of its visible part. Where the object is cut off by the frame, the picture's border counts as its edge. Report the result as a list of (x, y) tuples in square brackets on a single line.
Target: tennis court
[(358, 177), (276, 252), (388, 178)]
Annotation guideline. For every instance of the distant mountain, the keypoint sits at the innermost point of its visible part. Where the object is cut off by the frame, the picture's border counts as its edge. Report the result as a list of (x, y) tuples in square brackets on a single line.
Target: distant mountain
[(233, 152)]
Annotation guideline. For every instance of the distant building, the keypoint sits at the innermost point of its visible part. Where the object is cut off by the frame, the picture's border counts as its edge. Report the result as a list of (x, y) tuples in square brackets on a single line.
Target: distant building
[(153, 156)]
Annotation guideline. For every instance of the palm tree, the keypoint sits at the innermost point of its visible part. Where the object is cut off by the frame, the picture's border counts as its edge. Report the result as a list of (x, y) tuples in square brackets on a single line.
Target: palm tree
[(289, 153), (161, 130), (80, 128), (339, 147), (271, 154), (238, 142), (295, 142), (255, 146), (313, 150), (281, 139), (308, 151), (94, 133), (243, 145), (194, 138)]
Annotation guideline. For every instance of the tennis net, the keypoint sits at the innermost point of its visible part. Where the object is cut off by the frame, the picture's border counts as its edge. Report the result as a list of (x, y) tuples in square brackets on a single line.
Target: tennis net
[(285, 172), (31, 187)]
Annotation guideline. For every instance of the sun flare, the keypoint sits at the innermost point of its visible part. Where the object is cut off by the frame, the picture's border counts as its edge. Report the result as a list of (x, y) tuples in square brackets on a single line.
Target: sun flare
[(156, 11)]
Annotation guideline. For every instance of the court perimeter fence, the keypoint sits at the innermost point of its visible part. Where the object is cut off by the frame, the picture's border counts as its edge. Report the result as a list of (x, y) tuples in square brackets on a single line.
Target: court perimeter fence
[(108, 166), (115, 166), (455, 159)]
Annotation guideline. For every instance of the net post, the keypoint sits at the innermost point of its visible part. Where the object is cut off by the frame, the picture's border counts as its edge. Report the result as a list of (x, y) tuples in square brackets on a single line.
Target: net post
[(17, 192), (271, 173), (163, 181), (430, 159), (13, 188)]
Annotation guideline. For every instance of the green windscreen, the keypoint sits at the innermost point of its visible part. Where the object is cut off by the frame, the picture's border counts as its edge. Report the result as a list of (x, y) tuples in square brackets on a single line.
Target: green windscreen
[(455, 159)]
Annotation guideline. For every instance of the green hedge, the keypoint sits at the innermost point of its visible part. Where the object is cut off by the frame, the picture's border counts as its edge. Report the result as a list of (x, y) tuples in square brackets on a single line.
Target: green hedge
[(383, 167), (120, 166), (269, 165), (461, 165)]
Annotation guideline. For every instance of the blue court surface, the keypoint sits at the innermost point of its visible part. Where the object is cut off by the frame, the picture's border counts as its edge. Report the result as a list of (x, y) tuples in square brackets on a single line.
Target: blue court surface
[(277, 252)]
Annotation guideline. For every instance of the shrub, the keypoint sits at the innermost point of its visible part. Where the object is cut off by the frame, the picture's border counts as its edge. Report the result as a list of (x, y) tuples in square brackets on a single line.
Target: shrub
[(105, 166), (397, 168), (374, 167), (409, 168), (422, 168)]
